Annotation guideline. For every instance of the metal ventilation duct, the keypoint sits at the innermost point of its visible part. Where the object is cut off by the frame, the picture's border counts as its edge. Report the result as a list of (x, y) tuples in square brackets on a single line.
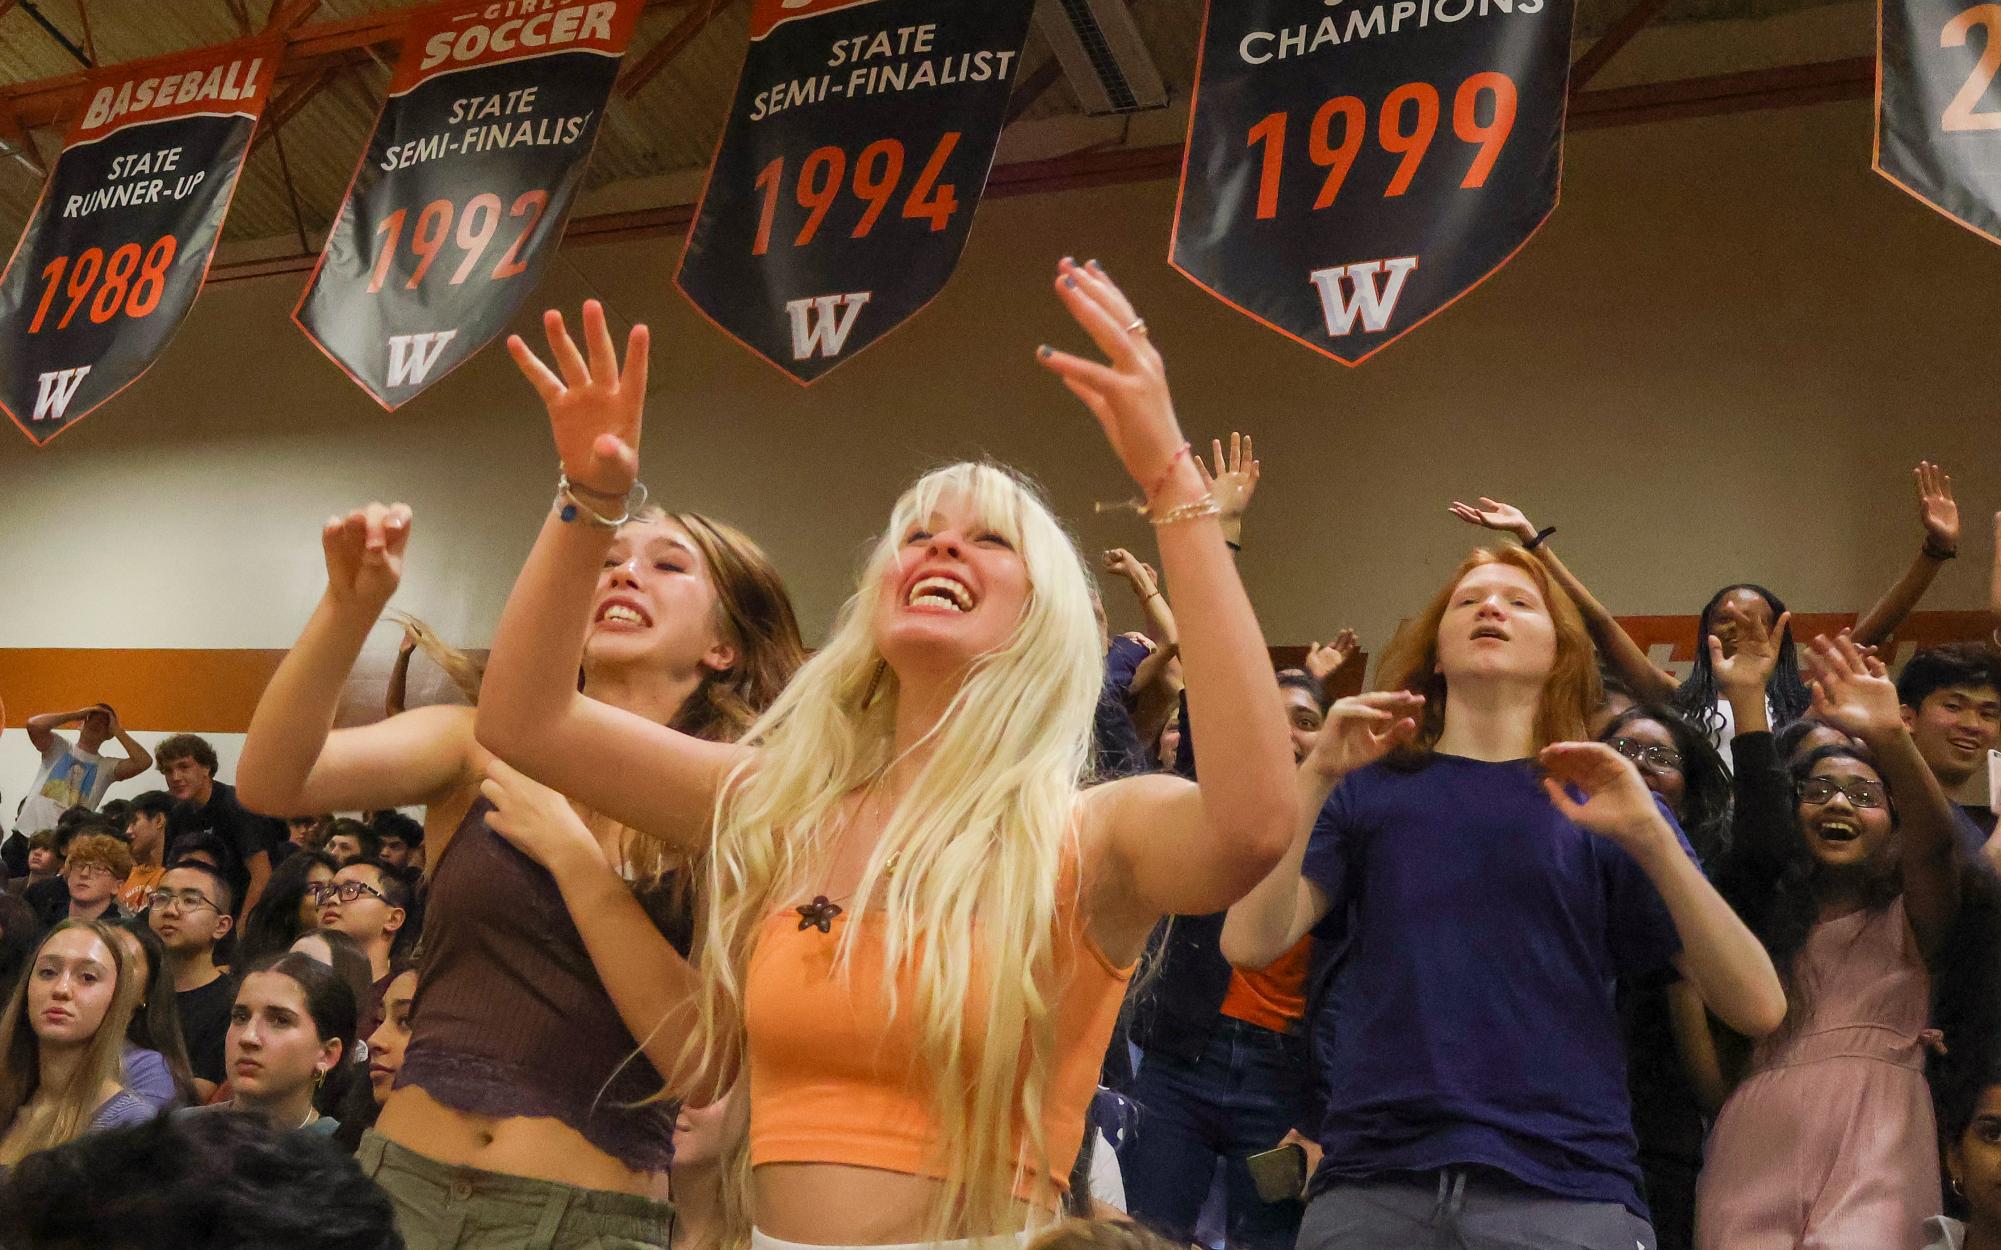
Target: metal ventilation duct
[(1102, 54)]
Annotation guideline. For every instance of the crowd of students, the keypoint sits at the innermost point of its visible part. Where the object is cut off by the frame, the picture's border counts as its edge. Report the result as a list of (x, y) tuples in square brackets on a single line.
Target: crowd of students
[(978, 916)]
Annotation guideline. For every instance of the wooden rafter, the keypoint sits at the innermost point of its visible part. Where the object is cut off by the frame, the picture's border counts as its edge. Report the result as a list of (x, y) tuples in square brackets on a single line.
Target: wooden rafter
[(1033, 86), (287, 14), (287, 103), (670, 46), (1607, 45), (338, 43)]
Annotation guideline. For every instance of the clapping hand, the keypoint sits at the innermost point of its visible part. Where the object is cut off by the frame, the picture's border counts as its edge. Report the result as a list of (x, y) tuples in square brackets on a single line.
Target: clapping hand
[(364, 552), (1325, 660), (594, 407), (1362, 729), (1494, 515)]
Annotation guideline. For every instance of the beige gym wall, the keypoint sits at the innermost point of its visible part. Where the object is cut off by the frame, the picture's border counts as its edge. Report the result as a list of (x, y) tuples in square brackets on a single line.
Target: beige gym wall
[(1718, 361)]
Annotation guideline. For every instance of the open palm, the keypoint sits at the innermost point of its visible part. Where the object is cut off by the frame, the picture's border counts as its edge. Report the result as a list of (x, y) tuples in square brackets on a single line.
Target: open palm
[(594, 406)]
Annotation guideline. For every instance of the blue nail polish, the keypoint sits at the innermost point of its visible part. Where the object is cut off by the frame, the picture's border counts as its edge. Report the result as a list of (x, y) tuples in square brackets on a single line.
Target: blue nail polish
[(1069, 281), (1045, 351)]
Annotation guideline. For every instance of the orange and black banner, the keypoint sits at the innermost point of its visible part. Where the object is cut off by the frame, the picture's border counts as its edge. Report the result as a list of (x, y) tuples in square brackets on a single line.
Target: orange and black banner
[(843, 190), (120, 241), (461, 197), (1938, 106), (1351, 171)]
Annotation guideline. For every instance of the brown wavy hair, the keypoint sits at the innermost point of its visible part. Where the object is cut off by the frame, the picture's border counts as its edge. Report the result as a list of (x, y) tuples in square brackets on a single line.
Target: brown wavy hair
[(1569, 695)]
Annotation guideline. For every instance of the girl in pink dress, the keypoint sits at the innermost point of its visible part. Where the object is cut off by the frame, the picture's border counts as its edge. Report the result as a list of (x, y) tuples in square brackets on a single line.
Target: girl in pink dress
[(1828, 1142)]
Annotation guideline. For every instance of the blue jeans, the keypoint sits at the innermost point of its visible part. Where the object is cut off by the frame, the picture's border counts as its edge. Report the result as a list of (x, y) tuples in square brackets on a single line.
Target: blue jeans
[(1239, 1099)]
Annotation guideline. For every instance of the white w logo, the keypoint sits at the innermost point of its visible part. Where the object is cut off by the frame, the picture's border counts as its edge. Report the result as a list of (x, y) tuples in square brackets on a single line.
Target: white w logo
[(821, 324), (412, 355), (1372, 303), (57, 389)]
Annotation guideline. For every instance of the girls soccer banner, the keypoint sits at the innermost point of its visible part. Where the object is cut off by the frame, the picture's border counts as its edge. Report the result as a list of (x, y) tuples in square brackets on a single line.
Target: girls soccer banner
[(1353, 170), (120, 241), (855, 153), (1938, 107), (453, 212)]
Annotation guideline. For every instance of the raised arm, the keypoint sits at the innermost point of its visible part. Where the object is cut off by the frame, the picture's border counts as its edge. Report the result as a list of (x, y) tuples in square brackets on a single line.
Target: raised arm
[(1281, 908), (397, 697), (1174, 847), (1938, 512), (1145, 585), (1599, 789), (530, 712), (295, 763), (1763, 834), (1853, 692), (137, 758), (1648, 681), (655, 990), (42, 729), (1324, 661)]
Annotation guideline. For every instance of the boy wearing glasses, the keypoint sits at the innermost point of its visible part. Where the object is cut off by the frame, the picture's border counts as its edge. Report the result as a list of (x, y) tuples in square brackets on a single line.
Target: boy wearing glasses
[(190, 912), (97, 865), (370, 902)]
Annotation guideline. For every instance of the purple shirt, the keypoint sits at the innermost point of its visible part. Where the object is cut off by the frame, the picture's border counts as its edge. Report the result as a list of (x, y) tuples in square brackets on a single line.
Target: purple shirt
[(1474, 1022)]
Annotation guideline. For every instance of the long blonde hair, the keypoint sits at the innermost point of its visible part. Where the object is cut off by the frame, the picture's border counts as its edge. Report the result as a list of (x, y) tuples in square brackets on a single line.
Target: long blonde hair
[(979, 843), (1569, 695), (103, 1056)]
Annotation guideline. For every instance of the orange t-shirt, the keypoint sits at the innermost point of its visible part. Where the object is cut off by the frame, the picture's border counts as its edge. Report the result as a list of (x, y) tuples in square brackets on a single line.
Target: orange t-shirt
[(132, 895), (1275, 997)]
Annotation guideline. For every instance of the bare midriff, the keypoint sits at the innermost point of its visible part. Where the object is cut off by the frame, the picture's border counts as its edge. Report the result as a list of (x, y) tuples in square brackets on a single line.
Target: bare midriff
[(836, 1204), (536, 1147)]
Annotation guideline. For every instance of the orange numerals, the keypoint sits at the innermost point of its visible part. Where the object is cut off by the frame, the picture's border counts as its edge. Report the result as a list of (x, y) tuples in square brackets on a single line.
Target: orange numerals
[(130, 280), (873, 178), (470, 229), (1406, 124), (1961, 113)]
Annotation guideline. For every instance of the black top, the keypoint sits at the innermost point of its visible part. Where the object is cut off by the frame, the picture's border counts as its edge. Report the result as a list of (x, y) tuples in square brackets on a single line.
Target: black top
[(205, 1025), (242, 831)]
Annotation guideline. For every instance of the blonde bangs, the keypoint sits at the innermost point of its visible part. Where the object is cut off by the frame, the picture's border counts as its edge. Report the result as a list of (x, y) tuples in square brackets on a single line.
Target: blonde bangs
[(979, 843)]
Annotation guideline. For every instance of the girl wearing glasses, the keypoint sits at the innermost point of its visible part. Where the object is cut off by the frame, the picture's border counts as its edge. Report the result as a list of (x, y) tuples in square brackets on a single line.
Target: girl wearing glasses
[(62, 1041), (1829, 1139)]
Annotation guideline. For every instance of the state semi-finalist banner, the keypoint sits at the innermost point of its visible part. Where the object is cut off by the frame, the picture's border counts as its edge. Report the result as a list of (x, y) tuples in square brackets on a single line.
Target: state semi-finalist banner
[(843, 190), (454, 210), (1938, 106), (1353, 168), (120, 241)]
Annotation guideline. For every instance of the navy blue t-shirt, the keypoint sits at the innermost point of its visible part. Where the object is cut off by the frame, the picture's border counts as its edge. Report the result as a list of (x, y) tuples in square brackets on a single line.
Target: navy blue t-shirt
[(1477, 1024)]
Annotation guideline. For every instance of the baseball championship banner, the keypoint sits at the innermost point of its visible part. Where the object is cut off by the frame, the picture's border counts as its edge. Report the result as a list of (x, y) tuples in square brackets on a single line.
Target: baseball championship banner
[(1353, 170), (855, 153), (1938, 108), (462, 194), (120, 241)]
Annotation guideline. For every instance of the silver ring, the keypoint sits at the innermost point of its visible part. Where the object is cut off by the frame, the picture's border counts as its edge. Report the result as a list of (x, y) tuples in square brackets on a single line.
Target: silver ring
[(1137, 327)]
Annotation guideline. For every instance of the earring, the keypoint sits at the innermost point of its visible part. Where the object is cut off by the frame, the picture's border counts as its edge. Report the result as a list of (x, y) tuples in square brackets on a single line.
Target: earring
[(319, 1078), (1958, 1187)]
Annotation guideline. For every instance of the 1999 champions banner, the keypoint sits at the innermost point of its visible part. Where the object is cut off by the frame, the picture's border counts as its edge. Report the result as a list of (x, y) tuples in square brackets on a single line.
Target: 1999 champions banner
[(856, 150), (120, 241), (1354, 167), (468, 179)]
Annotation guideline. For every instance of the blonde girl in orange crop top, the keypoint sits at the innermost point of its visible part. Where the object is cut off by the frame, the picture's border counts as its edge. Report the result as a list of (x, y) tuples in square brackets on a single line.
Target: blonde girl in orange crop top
[(918, 915)]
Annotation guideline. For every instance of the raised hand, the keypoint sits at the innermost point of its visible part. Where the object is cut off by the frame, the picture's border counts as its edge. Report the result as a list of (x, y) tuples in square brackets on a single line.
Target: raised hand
[(1937, 509), (1852, 691), (1128, 394), (1232, 481), (409, 643), (1755, 654), (1609, 797), (1325, 660), (537, 821), (1494, 515), (594, 406), (1362, 729), (364, 551), (1123, 563)]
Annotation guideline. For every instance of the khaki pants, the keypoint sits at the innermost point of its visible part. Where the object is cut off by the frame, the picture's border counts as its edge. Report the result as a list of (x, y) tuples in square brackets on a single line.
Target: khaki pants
[(441, 1207)]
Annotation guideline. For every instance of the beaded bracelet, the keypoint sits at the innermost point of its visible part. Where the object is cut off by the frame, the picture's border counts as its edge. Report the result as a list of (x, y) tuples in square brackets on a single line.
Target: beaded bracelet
[(1194, 510)]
